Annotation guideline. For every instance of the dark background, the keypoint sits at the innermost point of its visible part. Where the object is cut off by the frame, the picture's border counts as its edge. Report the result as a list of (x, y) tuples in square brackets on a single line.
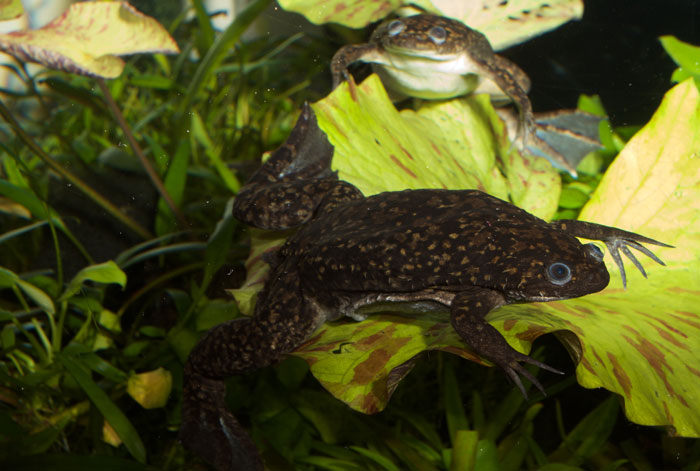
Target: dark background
[(614, 52)]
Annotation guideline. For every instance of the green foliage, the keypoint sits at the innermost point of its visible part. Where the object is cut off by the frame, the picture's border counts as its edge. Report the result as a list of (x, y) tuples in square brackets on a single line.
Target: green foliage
[(100, 280)]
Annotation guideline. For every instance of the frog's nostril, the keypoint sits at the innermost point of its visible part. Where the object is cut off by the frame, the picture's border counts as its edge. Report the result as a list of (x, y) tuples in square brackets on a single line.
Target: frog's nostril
[(437, 34), (395, 27)]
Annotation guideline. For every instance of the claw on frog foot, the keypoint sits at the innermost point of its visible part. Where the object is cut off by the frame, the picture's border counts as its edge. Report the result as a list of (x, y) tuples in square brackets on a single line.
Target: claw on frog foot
[(616, 240), (615, 246), (514, 370)]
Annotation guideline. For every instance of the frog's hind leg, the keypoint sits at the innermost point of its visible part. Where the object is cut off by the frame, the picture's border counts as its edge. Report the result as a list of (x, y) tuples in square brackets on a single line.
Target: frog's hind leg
[(281, 323)]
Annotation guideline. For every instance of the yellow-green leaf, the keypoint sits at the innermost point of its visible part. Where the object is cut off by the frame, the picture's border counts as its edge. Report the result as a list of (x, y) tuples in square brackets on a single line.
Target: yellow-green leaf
[(456, 144), (150, 389), (10, 9), (683, 54), (107, 272), (9, 279), (641, 342), (353, 13), (88, 37), (504, 23)]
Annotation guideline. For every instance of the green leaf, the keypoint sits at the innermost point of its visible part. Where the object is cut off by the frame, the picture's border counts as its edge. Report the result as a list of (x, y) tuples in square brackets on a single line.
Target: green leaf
[(29, 200), (175, 181), (372, 455), (216, 53), (68, 462), (218, 245), (107, 272), (121, 424), (685, 55), (454, 407), (200, 134), (589, 435), (464, 450), (43, 300)]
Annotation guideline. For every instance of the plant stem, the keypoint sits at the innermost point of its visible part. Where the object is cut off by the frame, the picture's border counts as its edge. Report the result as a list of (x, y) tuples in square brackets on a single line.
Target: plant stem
[(74, 179), (155, 179)]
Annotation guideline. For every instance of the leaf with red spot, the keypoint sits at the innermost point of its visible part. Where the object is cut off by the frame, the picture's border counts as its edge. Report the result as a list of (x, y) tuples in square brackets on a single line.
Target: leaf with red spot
[(10, 9), (641, 342), (88, 37), (504, 23), (456, 144)]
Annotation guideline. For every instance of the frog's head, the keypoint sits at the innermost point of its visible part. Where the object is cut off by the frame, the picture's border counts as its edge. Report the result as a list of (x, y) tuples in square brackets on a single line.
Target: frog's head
[(554, 267), (430, 36)]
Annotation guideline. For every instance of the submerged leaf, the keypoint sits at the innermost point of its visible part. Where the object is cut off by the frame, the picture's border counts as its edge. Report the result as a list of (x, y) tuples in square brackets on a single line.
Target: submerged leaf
[(640, 342), (107, 272), (10, 9), (456, 144), (87, 38), (504, 23), (150, 389)]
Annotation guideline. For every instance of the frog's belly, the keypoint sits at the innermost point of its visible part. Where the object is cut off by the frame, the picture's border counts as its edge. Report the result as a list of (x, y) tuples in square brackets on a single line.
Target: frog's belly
[(424, 82)]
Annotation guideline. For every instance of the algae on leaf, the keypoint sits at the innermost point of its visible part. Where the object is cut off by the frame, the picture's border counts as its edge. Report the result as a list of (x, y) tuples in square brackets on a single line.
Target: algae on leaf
[(641, 343)]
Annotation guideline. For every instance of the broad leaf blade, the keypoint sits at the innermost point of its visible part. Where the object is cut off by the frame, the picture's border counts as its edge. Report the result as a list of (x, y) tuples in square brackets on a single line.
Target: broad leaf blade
[(454, 144), (9, 278), (504, 23), (10, 9), (107, 408), (87, 38), (639, 342), (107, 272)]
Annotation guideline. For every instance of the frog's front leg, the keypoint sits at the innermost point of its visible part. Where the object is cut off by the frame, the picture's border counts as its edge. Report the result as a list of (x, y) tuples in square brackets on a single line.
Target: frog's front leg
[(617, 240), (467, 315), (282, 321), (346, 55)]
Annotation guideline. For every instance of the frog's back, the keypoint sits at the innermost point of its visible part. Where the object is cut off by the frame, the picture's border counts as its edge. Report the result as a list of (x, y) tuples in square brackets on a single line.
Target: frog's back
[(409, 239), (423, 212)]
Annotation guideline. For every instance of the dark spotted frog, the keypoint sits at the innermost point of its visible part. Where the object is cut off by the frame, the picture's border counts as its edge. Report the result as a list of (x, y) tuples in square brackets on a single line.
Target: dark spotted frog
[(434, 57), (461, 249)]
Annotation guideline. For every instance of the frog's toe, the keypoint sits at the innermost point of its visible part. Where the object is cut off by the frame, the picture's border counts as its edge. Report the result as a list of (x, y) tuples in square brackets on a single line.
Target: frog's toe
[(514, 370), (209, 430), (617, 245)]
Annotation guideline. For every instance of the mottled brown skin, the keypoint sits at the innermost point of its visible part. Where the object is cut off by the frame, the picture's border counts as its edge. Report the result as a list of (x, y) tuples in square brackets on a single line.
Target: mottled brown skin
[(434, 57), (466, 250)]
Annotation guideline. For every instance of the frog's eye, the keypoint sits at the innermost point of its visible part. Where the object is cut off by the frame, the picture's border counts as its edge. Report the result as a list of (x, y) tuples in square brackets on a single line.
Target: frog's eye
[(559, 273), (437, 34), (395, 27), (595, 251)]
